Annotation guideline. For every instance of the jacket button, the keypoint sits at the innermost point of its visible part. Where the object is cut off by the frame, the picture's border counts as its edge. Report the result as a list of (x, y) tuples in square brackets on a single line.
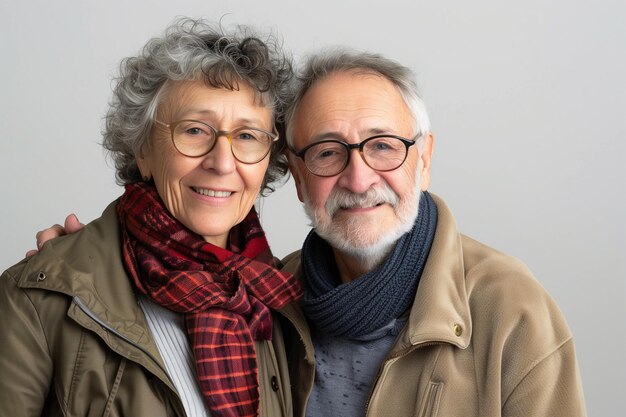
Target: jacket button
[(41, 276), (458, 330), (274, 384)]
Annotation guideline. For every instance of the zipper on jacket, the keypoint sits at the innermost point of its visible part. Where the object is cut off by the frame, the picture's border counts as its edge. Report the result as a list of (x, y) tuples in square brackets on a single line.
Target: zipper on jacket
[(106, 326), (397, 355)]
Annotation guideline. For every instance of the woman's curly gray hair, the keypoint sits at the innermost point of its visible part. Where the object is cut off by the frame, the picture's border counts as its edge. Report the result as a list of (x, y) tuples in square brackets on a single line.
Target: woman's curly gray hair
[(194, 50)]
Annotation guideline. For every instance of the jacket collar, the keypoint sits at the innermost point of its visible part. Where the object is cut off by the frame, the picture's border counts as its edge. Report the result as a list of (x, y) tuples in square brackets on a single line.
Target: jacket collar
[(87, 266), (293, 312), (440, 311)]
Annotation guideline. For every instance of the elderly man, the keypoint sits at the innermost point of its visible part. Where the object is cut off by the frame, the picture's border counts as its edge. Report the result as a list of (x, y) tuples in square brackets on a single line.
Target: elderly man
[(408, 317)]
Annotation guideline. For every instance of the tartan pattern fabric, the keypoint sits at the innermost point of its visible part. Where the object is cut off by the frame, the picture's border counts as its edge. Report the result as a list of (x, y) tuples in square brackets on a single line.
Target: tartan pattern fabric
[(226, 295)]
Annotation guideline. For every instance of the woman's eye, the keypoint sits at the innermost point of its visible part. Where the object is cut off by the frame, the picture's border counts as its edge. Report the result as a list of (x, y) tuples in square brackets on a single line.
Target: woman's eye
[(191, 128), (247, 135), (194, 131)]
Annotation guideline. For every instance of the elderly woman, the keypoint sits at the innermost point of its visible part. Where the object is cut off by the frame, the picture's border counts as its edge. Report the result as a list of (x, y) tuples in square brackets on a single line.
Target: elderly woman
[(161, 307)]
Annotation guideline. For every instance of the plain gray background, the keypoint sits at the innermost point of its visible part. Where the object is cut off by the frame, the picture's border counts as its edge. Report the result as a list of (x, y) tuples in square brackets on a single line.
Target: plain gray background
[(527, 100)]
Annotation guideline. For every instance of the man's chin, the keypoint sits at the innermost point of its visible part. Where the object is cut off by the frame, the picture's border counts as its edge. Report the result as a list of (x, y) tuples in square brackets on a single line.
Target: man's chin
[(369, 248), (370, 257)]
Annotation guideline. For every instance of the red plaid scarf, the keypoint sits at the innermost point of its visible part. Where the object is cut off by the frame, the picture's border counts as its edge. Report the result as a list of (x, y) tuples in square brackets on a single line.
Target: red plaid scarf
[(225, 295)]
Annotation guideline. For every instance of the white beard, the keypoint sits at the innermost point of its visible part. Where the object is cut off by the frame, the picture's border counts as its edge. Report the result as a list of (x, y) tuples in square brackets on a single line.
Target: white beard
[(354, 235)]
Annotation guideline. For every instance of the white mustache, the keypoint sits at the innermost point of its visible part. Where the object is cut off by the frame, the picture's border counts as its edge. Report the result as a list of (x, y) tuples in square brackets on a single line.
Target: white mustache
[(343, 199)]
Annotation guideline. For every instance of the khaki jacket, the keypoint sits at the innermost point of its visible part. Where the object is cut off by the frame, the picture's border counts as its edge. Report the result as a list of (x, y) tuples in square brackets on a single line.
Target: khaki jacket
[(483, 339), (75, 342)]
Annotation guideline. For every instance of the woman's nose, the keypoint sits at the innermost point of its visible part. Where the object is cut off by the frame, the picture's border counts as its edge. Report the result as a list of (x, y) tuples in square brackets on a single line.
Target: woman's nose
[(221, 158)]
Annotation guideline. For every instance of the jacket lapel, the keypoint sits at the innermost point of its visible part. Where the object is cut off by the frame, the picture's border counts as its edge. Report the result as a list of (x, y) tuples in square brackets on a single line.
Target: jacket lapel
[(440, 311), (87, 267)]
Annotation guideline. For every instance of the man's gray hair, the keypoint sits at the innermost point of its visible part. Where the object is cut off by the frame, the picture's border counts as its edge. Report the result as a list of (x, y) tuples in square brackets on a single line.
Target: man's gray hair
[(326, 62), (193, 50)]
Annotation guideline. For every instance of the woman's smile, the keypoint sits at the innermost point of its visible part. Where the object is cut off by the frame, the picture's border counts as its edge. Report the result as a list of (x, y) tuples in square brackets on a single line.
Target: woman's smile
[(212, 193)]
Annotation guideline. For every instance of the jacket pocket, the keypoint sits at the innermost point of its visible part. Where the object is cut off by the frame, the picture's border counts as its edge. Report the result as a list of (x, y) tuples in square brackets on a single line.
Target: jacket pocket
[(430, 403)]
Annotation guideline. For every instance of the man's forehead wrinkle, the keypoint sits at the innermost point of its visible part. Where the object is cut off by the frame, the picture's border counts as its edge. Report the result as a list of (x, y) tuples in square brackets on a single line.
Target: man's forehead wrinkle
[(350, 107), (341, 117), (349, 130)]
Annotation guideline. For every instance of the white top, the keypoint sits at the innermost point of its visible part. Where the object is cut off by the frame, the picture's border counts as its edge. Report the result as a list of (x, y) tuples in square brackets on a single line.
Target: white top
[(168, 330)]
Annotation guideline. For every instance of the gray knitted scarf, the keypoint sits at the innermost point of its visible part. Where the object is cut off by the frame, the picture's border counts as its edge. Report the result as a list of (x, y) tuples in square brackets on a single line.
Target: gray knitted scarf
[(371, 301)]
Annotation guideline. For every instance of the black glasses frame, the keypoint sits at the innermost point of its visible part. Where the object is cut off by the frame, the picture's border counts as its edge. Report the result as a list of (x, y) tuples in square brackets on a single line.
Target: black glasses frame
[(349, 146)]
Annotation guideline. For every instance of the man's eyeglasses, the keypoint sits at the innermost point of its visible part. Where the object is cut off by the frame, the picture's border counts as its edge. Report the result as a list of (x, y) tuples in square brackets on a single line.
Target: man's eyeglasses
[(194, 139), (328, 158)]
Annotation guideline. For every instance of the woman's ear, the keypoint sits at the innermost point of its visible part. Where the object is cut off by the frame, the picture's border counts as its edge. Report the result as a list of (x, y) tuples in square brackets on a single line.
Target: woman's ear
[(143, 163)]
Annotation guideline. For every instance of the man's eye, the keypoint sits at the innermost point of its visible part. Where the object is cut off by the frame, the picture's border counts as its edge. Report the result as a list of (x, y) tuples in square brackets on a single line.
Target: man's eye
[(382, 146), (326, 153)]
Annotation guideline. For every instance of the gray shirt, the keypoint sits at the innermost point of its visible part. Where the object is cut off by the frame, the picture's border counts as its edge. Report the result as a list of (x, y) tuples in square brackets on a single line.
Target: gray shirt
[(346, 370)]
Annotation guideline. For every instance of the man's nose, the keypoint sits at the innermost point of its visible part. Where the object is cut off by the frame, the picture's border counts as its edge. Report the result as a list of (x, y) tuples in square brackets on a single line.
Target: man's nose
[(358, 177)]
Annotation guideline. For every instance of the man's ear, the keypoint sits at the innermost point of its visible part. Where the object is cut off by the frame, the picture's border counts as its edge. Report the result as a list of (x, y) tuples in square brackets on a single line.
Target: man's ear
[(297, 179), (426, 156)]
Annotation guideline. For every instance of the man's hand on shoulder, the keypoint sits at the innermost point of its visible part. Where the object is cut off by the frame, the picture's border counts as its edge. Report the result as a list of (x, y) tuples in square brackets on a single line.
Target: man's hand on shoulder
[(70, 226)]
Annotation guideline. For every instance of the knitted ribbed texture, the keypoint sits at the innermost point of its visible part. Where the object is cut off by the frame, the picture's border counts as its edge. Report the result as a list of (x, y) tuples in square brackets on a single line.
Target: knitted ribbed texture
[(371, 301)]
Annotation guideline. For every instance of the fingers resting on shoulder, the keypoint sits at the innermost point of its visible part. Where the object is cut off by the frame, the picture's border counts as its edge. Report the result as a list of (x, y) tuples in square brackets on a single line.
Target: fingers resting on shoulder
[(71, 225)]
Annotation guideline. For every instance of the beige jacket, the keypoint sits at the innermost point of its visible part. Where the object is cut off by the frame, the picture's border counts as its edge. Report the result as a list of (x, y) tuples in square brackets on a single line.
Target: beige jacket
[(483, 339), (74, 341)]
